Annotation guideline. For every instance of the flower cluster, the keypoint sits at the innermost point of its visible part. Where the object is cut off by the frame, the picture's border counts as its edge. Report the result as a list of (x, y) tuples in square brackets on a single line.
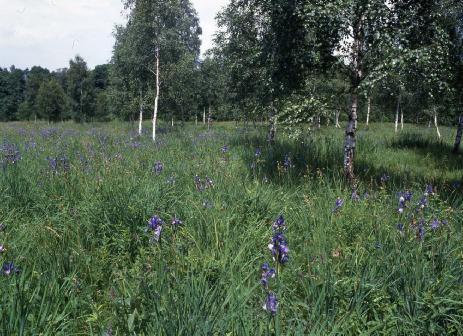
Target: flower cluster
[(338, 205), (287, 162), (59, 164), (271, 304), (404, 197), (418, 223), (384, 178), (224, 149), (267, 274), (156, 225), (158, 167), (9, 268), (10, 153), (201, 186), (278, 246)]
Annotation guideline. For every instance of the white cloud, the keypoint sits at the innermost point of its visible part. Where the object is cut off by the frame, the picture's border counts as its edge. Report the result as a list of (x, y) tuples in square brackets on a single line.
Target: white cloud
[(207, 10), (50, 32)]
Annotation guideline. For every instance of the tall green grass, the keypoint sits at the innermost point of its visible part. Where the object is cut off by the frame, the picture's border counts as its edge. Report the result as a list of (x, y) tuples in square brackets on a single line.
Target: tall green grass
[(79, 236)]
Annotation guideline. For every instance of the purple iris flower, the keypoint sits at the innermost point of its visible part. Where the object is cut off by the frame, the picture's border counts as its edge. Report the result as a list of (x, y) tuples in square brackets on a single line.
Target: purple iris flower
[(155, 224), (423, 203), (279, 248), (279, 224), (271, 304), (402, 205), (429, 190), (59, 164), (384, 178), (258, 152), (287, 162), (9, 268), (338, 204), (11, 153), (198, 184), (267, 273), (209, 183), (176, 222), (224, 149), (355, 196), (401, 228), (421, 231), (435, 224), (158, 168)]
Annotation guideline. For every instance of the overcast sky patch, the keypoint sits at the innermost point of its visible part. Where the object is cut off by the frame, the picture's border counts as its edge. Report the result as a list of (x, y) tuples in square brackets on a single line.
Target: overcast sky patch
[(51, 32)]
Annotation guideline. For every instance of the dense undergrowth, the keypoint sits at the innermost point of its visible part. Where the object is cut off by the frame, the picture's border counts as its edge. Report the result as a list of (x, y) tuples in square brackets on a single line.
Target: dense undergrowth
[(76, 201)]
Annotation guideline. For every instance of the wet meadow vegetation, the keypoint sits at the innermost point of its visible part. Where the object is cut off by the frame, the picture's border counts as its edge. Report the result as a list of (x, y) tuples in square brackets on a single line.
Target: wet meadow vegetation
[(215, 232)]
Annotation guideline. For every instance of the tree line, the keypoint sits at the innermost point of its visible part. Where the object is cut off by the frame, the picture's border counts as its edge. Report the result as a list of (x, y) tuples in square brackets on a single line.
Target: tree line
[(291, 64)]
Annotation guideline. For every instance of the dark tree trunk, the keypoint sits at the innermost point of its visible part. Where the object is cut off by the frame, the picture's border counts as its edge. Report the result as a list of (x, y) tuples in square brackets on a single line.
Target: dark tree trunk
[(456, 147)]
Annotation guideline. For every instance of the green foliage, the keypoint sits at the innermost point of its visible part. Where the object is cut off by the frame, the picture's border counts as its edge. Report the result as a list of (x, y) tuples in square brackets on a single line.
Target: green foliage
[(51, 101), (78, 233)]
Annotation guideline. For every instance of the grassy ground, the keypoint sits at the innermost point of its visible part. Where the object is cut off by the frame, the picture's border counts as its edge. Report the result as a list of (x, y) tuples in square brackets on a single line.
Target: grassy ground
[(76, 201)]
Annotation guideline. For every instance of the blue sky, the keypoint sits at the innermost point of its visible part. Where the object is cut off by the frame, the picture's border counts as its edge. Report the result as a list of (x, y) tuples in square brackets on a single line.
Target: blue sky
[(50, 32)]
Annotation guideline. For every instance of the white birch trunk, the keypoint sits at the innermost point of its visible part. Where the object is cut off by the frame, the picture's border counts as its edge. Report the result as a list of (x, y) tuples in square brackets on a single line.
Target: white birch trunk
[(196, 120), (156, 99), (401, 119), (204, 116), (435, 124), (172, 123), (209, 118), (140, 119), (368, 110), (397, 115), (337, 113)]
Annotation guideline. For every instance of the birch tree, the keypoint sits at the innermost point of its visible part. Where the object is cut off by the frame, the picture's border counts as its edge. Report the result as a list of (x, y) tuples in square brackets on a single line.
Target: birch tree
[(157, 36)]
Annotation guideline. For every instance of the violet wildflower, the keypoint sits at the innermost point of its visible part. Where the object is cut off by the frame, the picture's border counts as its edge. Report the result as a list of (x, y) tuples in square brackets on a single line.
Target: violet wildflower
[(402, 205), (401, 228), (279, 224), (209, 183), (59, 164), (176, 222), (2, 249), (224, 149), (384, 178), (158, 167), (258, 152), (271, 304), (155, 224), (279, 248), (355, 196), (11, 153), (421, 230), (287, 162), (267, 273), (429, 190), (9, 268), (338, 204), (435, 224), (198, 183), (423, 203)]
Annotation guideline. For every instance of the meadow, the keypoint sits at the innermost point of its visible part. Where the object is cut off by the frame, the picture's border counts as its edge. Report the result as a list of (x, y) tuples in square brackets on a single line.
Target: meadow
[(106, 233)]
